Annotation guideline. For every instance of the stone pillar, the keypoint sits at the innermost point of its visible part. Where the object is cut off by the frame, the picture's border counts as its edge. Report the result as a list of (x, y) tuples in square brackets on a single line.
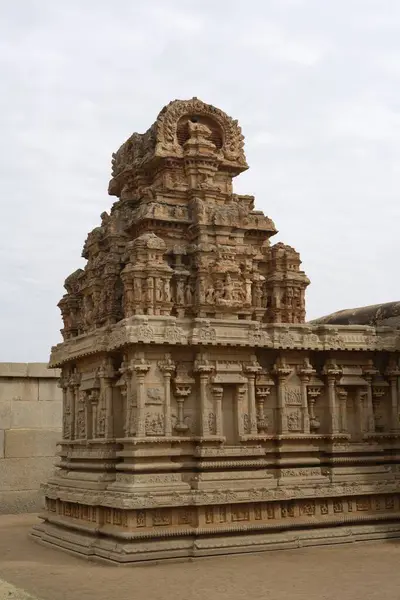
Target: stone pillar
[(66, 427), (392, 373), (73, 392), (342, 395), (105, 418), (182, 389), (167, 367), (125, 385), (378, 392), (204, 369), (305, 373), (313, 393), (240, 392), (333, 373), (92, 412), (140, 368), (181, 393), (369, 372), (361, 397), (262, 393), (218, 392), (282, 371)]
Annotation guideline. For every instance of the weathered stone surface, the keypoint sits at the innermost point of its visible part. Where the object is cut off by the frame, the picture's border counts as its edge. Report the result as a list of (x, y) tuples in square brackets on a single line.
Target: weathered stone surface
[(2, 443), (30, 415), (19, 389), (49, 390), (201, 415), (27, 443), (5, 414), (29, 430), (378, 315), (18, 474)]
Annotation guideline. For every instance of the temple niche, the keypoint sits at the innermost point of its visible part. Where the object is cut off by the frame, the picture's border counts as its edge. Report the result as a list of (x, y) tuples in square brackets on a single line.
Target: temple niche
[(201, 414)]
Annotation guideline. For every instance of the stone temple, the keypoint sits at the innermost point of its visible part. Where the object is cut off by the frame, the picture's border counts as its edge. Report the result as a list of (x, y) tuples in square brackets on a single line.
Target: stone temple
[(202, 415)]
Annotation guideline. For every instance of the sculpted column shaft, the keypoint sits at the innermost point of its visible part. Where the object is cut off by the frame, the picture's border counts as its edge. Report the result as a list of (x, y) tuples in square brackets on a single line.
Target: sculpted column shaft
[(252, 403), (304, 406), (333, 373), (167, 405), (370, 410), (240, 393), (361, 395), (218, 392), (282, 370), (283, 425), (332, 405), (393, 373), (125, 386), (63, 385), (205, 430), (93, 429), (369, 373), (342, 394), (109, 408), (305, 373), (167, 367), (203, 367), (73, 396), (251, 369), (141, 368), (106, 374)]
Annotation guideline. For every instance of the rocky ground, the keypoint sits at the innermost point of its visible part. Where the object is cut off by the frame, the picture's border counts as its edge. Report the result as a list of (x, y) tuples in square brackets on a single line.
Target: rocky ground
[(351, 572)]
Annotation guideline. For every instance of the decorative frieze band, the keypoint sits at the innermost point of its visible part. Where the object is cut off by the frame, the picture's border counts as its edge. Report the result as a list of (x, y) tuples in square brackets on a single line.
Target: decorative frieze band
[(216, 332)]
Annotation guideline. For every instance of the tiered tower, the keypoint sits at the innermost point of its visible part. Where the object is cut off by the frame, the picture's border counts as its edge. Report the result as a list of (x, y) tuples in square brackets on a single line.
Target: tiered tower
[(201, 414)]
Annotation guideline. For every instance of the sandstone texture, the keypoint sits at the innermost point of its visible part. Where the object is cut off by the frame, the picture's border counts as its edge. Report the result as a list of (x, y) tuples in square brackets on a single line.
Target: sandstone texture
[(201, 415)]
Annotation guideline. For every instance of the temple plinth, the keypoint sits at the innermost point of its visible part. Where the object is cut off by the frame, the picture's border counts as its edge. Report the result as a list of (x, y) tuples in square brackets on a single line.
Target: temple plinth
[(201, 414)]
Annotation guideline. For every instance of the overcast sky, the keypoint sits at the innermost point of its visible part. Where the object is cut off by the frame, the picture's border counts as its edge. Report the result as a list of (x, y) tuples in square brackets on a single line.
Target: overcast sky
[(315, 85)]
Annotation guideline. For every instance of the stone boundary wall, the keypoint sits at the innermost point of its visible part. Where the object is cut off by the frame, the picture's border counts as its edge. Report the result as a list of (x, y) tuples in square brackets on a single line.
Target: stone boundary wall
[(30, 428)]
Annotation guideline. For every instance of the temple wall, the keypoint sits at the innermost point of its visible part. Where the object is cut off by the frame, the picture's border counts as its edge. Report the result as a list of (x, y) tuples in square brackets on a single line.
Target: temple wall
[(30, 427)]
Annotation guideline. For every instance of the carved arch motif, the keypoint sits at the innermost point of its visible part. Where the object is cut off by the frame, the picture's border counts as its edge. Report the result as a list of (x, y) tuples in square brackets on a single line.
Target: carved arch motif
[(167, 120)]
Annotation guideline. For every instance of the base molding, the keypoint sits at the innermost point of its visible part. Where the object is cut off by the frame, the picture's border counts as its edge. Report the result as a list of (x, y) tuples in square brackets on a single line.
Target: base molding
[(177, 533)]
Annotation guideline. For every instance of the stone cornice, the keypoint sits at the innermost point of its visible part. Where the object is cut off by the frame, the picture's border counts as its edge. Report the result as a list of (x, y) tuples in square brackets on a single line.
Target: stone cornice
[(218, 332)]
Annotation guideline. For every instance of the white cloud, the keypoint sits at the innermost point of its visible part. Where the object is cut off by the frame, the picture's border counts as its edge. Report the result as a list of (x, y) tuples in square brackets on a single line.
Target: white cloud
[(313, 84)]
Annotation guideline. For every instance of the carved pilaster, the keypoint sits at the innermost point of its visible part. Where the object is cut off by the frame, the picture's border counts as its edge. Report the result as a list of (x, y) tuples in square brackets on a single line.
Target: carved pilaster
[(240, 394), (251, 369), (305, 373), (167, 367), (105, 418), (378, 392), (282, 371), (313, 393), (361, 400), (92, 414), (218, 392), (124, 384), (333, 374), (66, 430), (262, 393), (140, 368), (182, 390), (392, 373), (342, 395), (204, 369), (73, 387), (369, 372)]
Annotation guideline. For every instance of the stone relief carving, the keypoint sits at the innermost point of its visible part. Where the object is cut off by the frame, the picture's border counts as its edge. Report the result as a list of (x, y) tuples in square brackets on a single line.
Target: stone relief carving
[(197, 403)]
